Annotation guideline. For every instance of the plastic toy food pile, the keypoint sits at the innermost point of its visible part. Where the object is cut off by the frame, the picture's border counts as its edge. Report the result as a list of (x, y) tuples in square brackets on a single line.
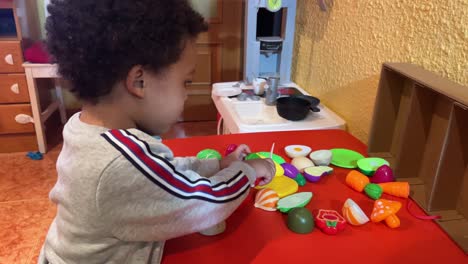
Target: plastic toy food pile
[(360, 182), (281, 193)]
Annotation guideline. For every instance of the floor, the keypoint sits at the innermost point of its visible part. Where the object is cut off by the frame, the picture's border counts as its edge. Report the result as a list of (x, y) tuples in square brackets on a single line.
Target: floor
[(26, 212)]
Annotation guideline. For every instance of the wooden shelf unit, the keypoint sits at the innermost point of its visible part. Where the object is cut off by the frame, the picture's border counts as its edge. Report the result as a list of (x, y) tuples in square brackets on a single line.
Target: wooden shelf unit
[(14, 98), (420, 125)]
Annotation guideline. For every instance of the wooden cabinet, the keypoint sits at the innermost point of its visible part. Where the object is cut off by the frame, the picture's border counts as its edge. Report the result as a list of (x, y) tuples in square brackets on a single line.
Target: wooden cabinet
[(420, 125), (219, 55), (15, 118), (199, 105), (11, 57), (16, 130), (13, 89)]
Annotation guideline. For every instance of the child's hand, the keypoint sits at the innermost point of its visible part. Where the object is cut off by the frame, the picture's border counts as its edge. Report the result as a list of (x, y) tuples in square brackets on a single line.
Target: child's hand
[(237, 155), (265, 169)]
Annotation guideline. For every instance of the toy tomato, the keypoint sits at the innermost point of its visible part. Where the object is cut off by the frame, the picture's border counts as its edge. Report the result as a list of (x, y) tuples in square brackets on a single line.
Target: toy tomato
[(329, 221)]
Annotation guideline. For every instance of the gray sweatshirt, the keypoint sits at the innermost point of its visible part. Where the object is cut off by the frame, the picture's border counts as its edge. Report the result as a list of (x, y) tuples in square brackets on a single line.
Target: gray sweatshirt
[(121, 193)]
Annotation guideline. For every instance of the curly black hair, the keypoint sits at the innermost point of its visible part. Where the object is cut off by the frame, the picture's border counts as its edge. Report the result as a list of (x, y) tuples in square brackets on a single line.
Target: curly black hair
[(96, 42)]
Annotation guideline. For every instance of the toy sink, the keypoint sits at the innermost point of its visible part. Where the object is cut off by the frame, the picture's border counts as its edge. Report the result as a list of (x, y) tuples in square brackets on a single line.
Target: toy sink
[(256, 112), (255, 116)]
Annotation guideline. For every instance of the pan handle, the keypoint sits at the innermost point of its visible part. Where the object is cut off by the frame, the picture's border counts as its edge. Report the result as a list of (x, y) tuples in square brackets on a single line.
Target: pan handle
[(315, 109)]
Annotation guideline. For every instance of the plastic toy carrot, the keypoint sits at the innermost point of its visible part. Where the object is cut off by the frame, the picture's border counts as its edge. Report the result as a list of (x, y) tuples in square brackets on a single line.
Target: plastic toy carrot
[(399, 189), (357, 180), (360, 182)]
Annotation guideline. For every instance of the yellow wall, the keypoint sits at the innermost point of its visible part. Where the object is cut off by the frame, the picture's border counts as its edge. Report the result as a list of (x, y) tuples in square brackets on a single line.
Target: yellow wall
[(339, 53)]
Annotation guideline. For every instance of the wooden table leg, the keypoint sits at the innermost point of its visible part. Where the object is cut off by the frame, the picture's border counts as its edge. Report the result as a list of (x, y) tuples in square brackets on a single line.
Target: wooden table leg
[(36, 110), (61, 107)]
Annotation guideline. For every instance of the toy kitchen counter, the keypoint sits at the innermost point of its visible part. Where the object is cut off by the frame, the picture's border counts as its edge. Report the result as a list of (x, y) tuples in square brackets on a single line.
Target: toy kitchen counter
[(254, 115)]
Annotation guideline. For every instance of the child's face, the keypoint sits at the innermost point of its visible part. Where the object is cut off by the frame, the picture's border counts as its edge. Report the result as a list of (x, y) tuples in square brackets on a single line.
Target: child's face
[(165, 93)]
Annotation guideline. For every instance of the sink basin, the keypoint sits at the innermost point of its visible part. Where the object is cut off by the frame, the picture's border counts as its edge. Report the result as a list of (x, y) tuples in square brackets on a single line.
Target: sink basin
[(257, 112), (255, 116)]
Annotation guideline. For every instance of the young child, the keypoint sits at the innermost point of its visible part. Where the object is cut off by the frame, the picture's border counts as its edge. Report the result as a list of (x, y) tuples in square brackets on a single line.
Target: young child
[(120, 192)]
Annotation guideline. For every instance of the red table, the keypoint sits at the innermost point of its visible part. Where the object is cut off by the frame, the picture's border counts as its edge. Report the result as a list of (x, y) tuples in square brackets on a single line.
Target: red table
[(256, 236)]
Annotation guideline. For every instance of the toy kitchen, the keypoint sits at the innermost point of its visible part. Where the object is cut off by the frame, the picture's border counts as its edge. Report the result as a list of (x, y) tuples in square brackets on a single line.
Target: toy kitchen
[(257, 103)]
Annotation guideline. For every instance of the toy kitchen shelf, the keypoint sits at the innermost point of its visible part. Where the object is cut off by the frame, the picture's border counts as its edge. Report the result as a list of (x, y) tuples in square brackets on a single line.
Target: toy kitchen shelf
[(420, 125)]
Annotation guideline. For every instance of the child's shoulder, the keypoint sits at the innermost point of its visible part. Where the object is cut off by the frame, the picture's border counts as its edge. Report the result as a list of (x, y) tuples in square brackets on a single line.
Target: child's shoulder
[(95, 143), (136, 143)]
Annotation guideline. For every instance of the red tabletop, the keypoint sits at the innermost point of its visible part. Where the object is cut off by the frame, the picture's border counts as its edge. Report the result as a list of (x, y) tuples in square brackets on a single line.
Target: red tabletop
[(256, 236)]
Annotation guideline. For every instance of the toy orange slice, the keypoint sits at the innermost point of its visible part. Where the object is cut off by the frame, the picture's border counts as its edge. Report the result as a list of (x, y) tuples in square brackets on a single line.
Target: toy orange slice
[(266, 199), (353, 213)]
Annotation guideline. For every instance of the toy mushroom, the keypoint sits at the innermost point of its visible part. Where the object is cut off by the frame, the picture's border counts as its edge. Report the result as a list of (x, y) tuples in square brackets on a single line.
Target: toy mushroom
[(386, 210)]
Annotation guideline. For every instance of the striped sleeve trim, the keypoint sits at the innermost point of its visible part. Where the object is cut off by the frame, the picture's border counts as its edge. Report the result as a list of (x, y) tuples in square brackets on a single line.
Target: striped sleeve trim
[(162, 173)]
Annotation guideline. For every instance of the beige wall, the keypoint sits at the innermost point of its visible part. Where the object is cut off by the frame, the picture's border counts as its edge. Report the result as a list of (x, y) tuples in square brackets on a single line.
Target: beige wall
[(339, 53)]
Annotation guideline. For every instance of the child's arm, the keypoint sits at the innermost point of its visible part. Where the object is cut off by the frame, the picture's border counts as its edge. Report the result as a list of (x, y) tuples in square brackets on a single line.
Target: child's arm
[(205, 168), (144, 197), (208, 167), (145, 204)]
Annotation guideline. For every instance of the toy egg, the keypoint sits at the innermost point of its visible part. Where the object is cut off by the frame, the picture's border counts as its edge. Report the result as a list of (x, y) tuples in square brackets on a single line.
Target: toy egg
[(301, 163), (294, 151), (321, 157)]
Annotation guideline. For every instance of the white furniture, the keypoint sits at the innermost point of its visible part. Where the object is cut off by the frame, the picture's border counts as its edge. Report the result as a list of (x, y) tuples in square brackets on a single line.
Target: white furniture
[(255, 116), (33, 72)]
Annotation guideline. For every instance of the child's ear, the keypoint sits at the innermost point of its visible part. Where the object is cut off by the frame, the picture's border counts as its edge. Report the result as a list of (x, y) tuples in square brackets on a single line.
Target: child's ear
[(135, 82)]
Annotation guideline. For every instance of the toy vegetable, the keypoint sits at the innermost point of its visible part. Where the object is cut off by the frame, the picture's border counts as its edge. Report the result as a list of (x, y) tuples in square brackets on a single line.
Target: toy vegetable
[(386, 210), (383, 174), (399, 189), (300, 220), (230, 149), (301, 181), (289, 170), (313, 174), (208, 154), (357, 180), (373, 190), (360, 182), (294, 201), (330, 221)]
